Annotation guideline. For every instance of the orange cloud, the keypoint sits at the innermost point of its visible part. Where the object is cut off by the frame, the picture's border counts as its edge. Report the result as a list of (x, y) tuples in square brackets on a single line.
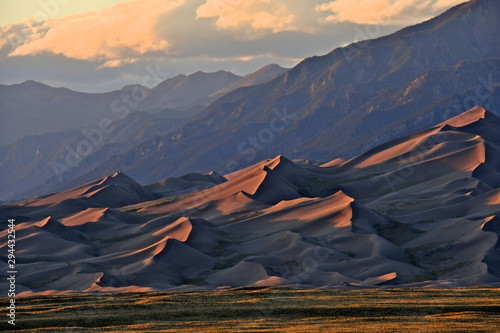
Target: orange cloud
[(112, 33), (383, 11), (118, 62), (259, 15)]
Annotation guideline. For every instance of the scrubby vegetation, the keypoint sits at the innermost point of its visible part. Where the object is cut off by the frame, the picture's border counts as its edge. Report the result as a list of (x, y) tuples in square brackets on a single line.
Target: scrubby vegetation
[(257, 309)]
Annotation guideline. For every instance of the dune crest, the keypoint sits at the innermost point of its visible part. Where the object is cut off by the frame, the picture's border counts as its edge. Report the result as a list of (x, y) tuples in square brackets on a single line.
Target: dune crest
[(469, 117)]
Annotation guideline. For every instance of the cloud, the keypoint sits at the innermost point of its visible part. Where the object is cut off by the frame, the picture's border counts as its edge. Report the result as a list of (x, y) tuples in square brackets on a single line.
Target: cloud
[(155, 29), (122, 31), (118, 63), (383, 11), (259, 15), (15, 35)]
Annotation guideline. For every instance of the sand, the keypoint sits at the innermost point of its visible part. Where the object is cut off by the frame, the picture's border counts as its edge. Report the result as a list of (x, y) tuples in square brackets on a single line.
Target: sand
[(418, 211)]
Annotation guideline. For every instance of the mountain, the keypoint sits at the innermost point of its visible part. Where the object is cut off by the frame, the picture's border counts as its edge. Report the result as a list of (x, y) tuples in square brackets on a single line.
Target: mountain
[(422, 210), (35, 159), (340, 104), (263, 75), (35, 108), (184, 92)]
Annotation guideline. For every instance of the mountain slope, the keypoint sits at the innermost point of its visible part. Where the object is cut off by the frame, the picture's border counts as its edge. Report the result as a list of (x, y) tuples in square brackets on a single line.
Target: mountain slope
[(183, 92), (421, 210), (36, 159), (263, 75)]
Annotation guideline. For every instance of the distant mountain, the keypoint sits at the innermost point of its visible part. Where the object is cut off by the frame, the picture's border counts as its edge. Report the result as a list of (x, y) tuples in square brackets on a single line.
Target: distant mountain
[(183, 92), (339, 104), (422, 210), (33, 108), (264, 74), (27, 164)]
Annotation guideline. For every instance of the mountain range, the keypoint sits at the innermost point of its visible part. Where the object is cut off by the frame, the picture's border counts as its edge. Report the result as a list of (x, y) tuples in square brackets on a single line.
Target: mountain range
[(337, 105), (58, 120), (421, 210), (33, 108)]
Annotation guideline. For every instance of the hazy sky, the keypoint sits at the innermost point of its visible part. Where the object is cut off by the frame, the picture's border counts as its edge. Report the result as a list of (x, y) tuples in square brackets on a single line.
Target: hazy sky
[(100, 45)]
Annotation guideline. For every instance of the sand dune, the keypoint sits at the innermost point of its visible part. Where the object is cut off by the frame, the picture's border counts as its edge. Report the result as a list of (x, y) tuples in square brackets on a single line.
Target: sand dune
[(418, 211), (190, 182), (242, 274), (112, 191)]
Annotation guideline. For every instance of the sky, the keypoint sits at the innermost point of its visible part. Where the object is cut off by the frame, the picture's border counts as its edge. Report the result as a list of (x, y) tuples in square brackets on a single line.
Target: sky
[(102, 45)]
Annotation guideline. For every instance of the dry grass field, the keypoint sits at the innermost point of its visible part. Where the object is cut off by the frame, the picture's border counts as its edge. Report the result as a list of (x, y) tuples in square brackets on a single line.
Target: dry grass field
[(264, 310)]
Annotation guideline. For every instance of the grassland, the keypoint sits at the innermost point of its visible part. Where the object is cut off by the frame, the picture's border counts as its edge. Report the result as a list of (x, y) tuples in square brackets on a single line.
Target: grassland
[(263, 310)]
